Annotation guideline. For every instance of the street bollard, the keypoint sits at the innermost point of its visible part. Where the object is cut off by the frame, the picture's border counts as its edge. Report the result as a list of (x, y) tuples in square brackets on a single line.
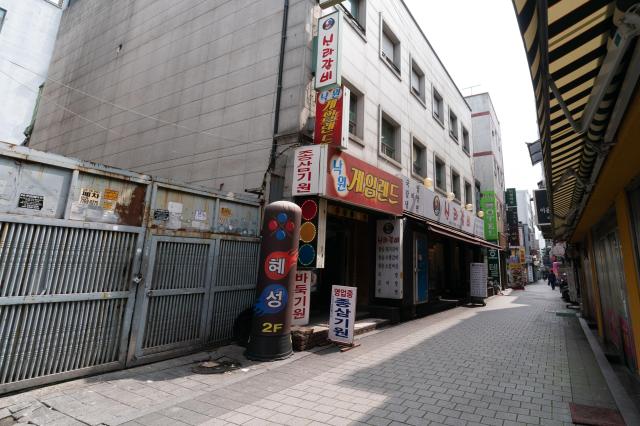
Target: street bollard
[(271, 327)]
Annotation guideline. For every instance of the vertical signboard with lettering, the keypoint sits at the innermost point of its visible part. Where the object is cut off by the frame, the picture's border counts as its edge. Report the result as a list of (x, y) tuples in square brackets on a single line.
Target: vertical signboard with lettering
[(332, 117), (308, 168), (342, 317), (542, 207), (271, 328), (328, 72), (493, 265), (389, 275), (301, 298), (478, 278), (488, 206)]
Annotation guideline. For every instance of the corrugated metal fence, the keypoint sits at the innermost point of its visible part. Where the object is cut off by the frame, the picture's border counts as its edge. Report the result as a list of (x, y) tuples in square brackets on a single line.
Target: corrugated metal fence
[(102, 268)]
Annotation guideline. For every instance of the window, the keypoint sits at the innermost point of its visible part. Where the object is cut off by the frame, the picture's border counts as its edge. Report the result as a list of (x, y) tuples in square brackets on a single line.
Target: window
[(3, 13), (468, 193), (419, 158), (57, 3), (440, 175), (455, 185), (390, 48), (356, 111), (417, 81), (453, 125), (465, 140), (389, 137), (478, 195), (438, 108), (356, 10)]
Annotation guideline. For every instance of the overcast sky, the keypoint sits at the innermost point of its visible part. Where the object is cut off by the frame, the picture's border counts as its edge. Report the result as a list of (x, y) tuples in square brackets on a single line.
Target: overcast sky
[(480, 44)]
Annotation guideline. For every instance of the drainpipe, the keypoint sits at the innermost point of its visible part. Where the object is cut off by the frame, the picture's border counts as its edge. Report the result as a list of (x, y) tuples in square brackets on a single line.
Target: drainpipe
[(276, 117)]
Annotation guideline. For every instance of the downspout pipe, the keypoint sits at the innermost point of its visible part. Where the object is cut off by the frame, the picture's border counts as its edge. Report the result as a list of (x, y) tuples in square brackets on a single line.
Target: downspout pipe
[(276, 115)]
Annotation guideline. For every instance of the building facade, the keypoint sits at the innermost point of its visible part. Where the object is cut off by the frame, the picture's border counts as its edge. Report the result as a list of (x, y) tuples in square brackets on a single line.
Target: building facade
[(203, 99), (591, 157), (28, 31)]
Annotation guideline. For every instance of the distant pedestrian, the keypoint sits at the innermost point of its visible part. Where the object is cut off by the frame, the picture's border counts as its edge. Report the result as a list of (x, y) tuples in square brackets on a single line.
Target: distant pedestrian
[(552, 280)]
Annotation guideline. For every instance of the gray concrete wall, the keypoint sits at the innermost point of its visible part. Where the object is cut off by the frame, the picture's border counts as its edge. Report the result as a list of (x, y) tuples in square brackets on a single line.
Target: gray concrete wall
[(208, 66), (27, 38)]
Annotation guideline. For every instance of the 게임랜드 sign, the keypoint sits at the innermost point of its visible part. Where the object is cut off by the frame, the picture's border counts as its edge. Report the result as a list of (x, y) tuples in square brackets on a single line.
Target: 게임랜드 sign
[(343, 314), (332, 117), (328, 57)]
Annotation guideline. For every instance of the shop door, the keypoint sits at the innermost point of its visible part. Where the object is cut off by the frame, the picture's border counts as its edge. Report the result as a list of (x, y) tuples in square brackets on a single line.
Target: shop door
[(420, 266)]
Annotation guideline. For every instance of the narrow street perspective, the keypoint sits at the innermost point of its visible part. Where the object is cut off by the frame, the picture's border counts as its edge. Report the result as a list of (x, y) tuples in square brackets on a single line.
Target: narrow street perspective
[(455, 368), (320, 212)]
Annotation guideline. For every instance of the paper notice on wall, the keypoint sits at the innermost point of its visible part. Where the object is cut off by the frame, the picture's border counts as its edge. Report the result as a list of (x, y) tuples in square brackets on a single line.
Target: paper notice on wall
[(89, 197)]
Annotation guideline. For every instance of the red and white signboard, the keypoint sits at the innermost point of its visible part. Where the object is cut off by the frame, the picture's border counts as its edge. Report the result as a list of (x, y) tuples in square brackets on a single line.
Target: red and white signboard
[(301, 298), (332, 117), (308, 168), (328, 56), (342, 317)]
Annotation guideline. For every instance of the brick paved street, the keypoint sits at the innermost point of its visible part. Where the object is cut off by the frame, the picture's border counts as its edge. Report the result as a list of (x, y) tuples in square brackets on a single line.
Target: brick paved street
[(503, 364)]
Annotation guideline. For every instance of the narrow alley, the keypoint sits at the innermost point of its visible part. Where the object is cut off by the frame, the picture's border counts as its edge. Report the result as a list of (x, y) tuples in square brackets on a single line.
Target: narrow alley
[(520, 360)]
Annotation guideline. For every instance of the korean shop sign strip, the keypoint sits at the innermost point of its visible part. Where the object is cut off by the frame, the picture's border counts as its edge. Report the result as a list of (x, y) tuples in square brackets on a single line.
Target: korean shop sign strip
[(328, 70), (342, 317), (332, 117), (356, 182)]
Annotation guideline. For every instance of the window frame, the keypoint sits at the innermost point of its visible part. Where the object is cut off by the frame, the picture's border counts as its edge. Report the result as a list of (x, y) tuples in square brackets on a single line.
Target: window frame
[(437, 97), (423, 147), (466, 143), (3, 17), (458, 196), (56, 3), (394, 65), (453, 125), (357, 137), (437, 159), (397, 137), (360, 22), (467, 184), (422, 96)]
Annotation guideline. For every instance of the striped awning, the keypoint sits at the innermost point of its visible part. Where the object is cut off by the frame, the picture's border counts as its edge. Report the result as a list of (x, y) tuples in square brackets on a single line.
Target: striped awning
[(566, 43)]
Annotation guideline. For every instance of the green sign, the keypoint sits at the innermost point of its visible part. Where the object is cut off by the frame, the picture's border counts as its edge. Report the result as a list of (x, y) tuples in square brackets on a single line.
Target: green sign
[(488, 206), (510, 197), (493, 264)]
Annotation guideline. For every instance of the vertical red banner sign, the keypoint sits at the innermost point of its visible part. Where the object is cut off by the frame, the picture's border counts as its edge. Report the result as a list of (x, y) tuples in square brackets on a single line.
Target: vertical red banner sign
[(332, 117)]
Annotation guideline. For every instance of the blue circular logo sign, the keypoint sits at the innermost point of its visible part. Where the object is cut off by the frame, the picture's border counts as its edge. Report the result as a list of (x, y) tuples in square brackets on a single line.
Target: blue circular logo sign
[(328, 24), (272, 300)]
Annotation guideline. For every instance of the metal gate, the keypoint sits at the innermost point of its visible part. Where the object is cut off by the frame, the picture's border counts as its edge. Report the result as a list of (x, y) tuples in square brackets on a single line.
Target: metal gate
[(66, 289), (196, 282)]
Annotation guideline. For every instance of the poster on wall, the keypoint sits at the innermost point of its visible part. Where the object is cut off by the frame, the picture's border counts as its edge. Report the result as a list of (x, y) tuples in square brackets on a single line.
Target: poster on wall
[(478, 278), (389, 275), (342, 317)]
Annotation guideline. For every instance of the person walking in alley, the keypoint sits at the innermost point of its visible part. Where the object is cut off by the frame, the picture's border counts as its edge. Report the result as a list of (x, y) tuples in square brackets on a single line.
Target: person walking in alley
[(552, 280)]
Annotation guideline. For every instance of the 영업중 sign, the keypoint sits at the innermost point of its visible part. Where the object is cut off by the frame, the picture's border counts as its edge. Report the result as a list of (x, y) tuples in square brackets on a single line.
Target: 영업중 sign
[(343, 314)]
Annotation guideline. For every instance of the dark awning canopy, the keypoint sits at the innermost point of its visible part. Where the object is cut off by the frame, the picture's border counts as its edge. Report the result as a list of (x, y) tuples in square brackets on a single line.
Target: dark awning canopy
[(459, 235), (578, 56)]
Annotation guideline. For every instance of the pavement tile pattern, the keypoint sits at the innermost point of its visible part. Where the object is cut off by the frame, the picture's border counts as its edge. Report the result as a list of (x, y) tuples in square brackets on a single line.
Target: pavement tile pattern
[(504, 364)]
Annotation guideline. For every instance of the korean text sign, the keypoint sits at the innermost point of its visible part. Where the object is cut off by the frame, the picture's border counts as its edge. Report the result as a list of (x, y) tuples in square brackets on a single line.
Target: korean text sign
[(329, 56), (478, 278), (332, 117), (354, 181), (343, 314), (301, 298), (307, 170), (488, 205), (389, 276)]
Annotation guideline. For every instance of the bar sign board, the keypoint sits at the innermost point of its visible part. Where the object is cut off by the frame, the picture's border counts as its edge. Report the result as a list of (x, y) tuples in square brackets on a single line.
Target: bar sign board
[(342, 317), (478, 277)]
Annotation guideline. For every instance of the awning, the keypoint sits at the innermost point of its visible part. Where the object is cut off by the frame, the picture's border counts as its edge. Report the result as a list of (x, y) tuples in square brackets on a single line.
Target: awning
[(459, 235), (568, 43)]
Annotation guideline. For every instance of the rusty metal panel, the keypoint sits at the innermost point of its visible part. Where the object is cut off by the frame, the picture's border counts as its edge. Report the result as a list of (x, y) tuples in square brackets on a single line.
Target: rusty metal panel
[(237, 219)]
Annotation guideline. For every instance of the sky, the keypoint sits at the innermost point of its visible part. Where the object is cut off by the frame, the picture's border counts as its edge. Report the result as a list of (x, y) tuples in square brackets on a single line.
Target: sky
[(480, 45)]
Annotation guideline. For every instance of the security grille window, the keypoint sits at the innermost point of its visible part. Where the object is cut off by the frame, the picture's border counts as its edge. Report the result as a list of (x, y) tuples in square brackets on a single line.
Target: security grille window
[(438, 107), (453, 125), (3, 13), (465, 140), (419, 158), (455, 185), (468, 193), (390, 48), (417, 81), (441, 176), (389, 135)]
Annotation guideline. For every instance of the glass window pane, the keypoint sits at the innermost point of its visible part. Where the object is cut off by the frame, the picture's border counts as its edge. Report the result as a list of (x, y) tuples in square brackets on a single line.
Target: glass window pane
[(388, 138), (353, 113), (415, 80), (352, 7), (387, 46), (2, 14)]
